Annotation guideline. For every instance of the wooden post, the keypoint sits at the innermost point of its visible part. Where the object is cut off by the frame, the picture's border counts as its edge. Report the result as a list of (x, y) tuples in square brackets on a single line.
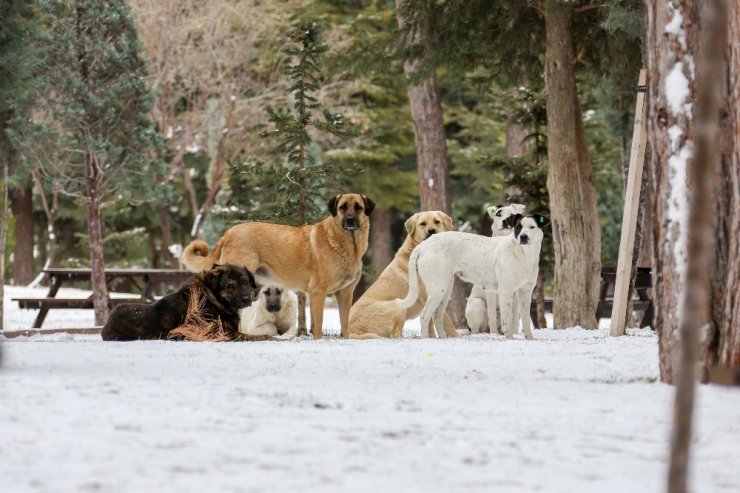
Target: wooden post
[(631, 205)]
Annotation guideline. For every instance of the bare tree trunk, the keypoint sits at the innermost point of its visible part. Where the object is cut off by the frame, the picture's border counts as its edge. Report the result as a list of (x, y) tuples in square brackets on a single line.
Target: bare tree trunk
[(47, 244), (167, 240), (431, 148), (97, 260), (381, 240), (701, 239), (670, 62), (21, 203), (3, 239), (723, 344), (570, 183)]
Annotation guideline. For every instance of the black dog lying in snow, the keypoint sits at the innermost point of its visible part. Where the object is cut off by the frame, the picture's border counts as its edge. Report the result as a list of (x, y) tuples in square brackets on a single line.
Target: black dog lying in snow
[(205, 308)]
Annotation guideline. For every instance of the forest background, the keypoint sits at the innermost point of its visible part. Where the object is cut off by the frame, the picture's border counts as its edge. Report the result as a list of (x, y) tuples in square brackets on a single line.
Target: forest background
[(212, 68)]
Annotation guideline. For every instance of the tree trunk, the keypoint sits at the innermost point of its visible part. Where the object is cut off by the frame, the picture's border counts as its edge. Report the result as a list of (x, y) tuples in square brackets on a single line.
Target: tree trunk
[(701, 171), (381, 240), (94, 180), (3, 238), (575, 222), (167, 240), (431, 147), (723, 344), (670, 58), (22, 206)]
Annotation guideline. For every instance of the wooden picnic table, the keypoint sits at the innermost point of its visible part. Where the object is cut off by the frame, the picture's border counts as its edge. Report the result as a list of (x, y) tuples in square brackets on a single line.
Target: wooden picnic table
[(145, 280)]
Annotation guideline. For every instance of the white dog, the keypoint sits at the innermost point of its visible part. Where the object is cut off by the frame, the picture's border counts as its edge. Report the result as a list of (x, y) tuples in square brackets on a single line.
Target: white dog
[(274, 314), (476, 309), (506, 265)]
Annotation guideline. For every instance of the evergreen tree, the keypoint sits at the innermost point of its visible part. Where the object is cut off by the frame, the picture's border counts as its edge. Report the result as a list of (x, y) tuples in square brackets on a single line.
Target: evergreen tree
[(101, 106), (286, 185), (18, 60)]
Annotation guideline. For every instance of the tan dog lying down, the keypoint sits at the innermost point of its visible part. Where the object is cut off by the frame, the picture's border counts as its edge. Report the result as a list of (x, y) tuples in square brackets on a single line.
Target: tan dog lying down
[(318, 259), (376, 314), (275, 314)]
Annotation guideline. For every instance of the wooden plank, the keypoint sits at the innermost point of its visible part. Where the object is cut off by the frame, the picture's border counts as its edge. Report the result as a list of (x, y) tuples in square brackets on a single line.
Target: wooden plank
[(631, 205), (10, 334), (68, 303)]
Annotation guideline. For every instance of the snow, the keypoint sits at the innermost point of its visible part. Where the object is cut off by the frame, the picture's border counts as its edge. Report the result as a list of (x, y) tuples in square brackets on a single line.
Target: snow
[(572, 411), (677, 90)]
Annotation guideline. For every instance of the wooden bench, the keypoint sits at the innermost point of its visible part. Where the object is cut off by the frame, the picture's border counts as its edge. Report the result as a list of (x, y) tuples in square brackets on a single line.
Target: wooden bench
[(145, 280), (643, 282)]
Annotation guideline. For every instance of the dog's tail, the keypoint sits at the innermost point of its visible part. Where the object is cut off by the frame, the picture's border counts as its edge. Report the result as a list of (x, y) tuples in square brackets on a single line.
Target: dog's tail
[(196, 258), (413, 294)]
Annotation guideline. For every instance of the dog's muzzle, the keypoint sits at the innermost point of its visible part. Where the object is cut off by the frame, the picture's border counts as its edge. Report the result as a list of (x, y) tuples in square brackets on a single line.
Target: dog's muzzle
[(273, 307), (246, 301), (431, 232), (350, 223), (523, 240)]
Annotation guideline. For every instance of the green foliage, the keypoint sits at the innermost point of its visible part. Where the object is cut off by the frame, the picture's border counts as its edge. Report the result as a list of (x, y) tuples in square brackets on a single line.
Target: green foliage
[(286, 184), (98, 100)]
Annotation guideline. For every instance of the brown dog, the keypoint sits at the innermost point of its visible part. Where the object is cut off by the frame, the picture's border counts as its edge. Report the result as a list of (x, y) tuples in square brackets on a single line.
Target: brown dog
[(375, 314), (318, 259)]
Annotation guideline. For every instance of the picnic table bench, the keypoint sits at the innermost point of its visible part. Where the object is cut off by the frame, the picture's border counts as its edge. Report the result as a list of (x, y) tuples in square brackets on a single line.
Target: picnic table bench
[(145, 280), (643, 282)]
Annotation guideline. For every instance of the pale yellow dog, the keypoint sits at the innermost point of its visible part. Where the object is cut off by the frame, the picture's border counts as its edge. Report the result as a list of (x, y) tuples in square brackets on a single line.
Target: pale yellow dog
[(375, 314)]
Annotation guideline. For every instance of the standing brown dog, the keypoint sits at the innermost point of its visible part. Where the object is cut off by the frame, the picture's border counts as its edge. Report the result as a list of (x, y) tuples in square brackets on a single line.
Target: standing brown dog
[(318, 259), (375, 314)]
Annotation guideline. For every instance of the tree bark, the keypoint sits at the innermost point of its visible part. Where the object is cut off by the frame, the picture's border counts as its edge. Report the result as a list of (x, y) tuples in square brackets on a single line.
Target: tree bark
[(570, 182), (701, 240), (3, 239), (94, 180), (670, 58), (381, 240), (431, 147), (723, 342), (22, 206)]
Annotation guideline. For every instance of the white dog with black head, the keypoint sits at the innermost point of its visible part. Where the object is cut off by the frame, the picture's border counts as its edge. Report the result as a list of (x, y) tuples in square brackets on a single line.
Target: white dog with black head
[(506, 266), (476, 309), (275, 313)]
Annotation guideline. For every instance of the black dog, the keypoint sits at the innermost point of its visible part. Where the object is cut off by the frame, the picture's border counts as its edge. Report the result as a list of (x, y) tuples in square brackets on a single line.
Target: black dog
[(211, 298)]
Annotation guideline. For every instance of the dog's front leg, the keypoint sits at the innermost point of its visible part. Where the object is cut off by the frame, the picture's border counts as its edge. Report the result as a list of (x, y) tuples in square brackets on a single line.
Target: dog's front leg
[(491, 302), (525, 301), (344, 300), (506, 304), (317, 299)]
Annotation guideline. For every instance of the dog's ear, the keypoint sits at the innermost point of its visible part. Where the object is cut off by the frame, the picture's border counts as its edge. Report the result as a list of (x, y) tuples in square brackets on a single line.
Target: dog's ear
[(447, 220), (332, 204), (411, 224), (211, 278), (541, 220), (369, 205), (511, 221), (518, 208), (252, 280), (492, 210)]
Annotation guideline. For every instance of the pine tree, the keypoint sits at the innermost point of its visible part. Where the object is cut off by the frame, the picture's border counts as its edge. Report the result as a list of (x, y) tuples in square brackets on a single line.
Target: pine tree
[(18, 60), (101, 104)]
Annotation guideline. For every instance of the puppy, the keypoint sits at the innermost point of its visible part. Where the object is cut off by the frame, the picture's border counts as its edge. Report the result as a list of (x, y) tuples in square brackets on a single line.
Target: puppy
[(505, 261), (317, 259), (216, 296), (476, 310), (275, 313), (375, 314)]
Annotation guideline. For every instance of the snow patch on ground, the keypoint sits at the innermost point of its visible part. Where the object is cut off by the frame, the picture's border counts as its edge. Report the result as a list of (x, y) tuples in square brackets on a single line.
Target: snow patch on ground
[(575, 410)]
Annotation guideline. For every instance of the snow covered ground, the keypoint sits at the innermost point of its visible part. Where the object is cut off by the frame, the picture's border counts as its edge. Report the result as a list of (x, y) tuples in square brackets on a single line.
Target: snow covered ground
[(573, 411)]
